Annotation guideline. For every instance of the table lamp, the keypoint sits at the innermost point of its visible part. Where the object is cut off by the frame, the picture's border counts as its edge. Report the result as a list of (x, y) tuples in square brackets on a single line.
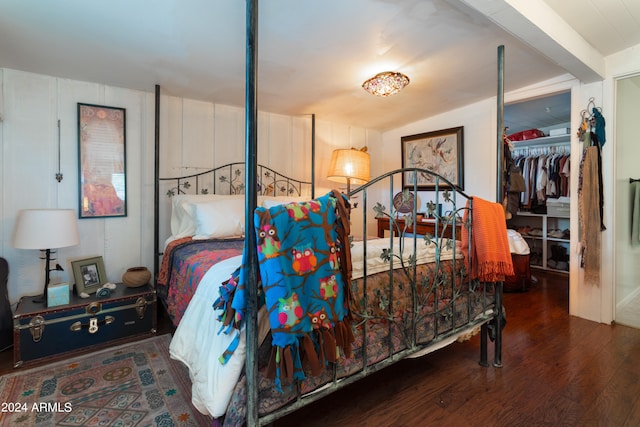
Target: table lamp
[(45, 229), (350, 166)]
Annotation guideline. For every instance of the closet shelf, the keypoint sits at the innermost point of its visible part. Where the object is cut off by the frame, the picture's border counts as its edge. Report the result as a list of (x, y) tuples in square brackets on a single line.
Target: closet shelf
[(548, 239), (543, 141), (557, 239), (542, 246), (527, 236), (526, 213)]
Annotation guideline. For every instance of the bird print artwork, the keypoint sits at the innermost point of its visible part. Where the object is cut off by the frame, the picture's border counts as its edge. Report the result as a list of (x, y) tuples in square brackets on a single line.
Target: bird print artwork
[(304, 261), (438, 152), (268, 241), (289, 311)]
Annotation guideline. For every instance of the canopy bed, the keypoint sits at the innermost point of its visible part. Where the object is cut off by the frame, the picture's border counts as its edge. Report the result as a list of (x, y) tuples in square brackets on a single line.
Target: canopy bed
[(409, 294), (290, 309)]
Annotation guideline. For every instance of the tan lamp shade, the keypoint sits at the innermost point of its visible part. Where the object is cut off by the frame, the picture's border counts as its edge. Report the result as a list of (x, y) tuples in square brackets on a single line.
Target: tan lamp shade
[(349, 166)]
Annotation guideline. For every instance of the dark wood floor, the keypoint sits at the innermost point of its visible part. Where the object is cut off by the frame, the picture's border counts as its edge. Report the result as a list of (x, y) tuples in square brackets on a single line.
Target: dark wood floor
[(558, 370)]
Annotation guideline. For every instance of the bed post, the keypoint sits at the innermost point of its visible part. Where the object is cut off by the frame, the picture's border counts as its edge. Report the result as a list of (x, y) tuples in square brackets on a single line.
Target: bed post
[(251, 149), (313, 156), (156, 188), (497, 361), (499, 139)]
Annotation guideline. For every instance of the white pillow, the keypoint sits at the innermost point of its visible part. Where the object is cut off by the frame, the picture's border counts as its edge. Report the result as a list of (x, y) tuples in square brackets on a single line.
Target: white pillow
[(219, 219), (271, 201), (183, 221), (183, 215)]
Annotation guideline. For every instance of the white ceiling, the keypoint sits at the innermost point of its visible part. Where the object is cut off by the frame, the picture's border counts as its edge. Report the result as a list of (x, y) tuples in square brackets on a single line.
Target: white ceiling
[(313, 55)]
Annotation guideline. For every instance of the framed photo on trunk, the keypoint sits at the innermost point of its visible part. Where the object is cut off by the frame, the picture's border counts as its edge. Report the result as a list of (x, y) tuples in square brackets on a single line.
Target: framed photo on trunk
[(89, 274)]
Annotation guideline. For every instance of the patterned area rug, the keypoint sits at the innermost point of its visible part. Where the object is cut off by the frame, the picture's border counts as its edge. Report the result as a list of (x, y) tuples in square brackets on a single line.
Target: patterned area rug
[(130, 385)]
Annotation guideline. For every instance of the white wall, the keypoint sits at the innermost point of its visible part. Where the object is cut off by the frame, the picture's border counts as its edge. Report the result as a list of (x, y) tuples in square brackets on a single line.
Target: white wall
[(624, 150), (480, 160), (627, 166), (598, 302), (194, 135), (32, 106)]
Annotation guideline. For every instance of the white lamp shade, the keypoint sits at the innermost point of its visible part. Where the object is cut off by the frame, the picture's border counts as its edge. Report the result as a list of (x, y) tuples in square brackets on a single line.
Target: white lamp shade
[(349, 163), (46, 229)]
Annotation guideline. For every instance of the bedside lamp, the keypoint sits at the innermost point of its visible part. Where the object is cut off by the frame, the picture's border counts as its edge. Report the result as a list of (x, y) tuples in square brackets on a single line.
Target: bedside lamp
[(350, 166), (45, 229)]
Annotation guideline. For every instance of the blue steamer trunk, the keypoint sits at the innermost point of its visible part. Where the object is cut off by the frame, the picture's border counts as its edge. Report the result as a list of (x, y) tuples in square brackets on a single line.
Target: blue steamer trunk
[(85, 324)]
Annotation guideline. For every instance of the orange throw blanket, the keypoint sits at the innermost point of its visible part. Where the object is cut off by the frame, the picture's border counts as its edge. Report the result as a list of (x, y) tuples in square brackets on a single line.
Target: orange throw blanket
[(489, 242)]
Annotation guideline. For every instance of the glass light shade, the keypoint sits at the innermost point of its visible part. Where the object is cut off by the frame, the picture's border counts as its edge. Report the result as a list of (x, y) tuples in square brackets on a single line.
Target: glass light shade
[(46, 229), (386, 83), (349, 163)]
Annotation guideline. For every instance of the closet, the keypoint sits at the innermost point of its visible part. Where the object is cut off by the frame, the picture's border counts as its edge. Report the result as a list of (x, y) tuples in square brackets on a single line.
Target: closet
[(540, 143)]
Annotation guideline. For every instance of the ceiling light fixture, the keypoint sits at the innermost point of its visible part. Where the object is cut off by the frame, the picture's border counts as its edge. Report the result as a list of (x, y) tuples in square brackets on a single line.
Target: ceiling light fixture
[(386, 83)]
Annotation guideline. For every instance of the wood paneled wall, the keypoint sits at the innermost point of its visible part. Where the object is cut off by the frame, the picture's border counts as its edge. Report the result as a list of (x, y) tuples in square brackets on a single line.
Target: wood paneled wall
[(194, 134)]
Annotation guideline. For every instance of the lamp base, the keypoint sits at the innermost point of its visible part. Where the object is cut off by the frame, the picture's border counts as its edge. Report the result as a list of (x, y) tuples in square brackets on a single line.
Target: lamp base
[(42, 299)]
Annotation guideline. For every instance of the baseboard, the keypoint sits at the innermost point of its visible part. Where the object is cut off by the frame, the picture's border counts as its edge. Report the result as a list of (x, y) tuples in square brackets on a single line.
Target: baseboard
[(633, 295)]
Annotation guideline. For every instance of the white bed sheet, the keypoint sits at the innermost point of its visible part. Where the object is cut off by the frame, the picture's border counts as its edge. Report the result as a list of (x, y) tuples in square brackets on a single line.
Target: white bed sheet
[(197, 344), (375, 264)]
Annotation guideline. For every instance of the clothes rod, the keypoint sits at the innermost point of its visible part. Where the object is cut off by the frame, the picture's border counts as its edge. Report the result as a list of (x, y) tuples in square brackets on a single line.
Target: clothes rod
[(544, 141)]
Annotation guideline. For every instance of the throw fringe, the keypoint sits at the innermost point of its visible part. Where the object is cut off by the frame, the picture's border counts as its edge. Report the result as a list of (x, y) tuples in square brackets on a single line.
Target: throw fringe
[(312, 352), (489, 241)]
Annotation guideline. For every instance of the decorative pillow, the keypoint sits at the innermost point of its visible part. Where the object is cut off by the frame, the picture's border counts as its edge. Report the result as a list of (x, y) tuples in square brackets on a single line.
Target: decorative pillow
[(219, 219)]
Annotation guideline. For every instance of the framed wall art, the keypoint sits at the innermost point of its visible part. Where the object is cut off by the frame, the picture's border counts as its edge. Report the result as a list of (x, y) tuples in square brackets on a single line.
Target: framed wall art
[(102, 161), (89, 274), (439, 151)]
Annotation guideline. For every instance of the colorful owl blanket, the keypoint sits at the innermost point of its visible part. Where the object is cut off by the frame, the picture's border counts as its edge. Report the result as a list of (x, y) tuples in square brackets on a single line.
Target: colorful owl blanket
[(305, 269)]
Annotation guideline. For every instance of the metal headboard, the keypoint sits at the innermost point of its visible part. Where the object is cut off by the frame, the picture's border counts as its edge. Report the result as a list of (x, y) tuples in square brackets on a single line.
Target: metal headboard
[(231, 178)]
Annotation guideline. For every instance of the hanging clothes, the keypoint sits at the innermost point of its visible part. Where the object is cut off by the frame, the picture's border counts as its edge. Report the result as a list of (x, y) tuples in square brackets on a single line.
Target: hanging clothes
[(513, 180), (546, 175), (598, 126)]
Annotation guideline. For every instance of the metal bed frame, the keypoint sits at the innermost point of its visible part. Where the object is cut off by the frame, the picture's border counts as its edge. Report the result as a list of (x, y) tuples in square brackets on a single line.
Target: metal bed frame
[(252, 177)]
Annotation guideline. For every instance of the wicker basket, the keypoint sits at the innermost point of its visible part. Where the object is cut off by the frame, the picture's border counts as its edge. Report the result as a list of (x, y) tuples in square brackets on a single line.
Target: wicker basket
[(136, 276)]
